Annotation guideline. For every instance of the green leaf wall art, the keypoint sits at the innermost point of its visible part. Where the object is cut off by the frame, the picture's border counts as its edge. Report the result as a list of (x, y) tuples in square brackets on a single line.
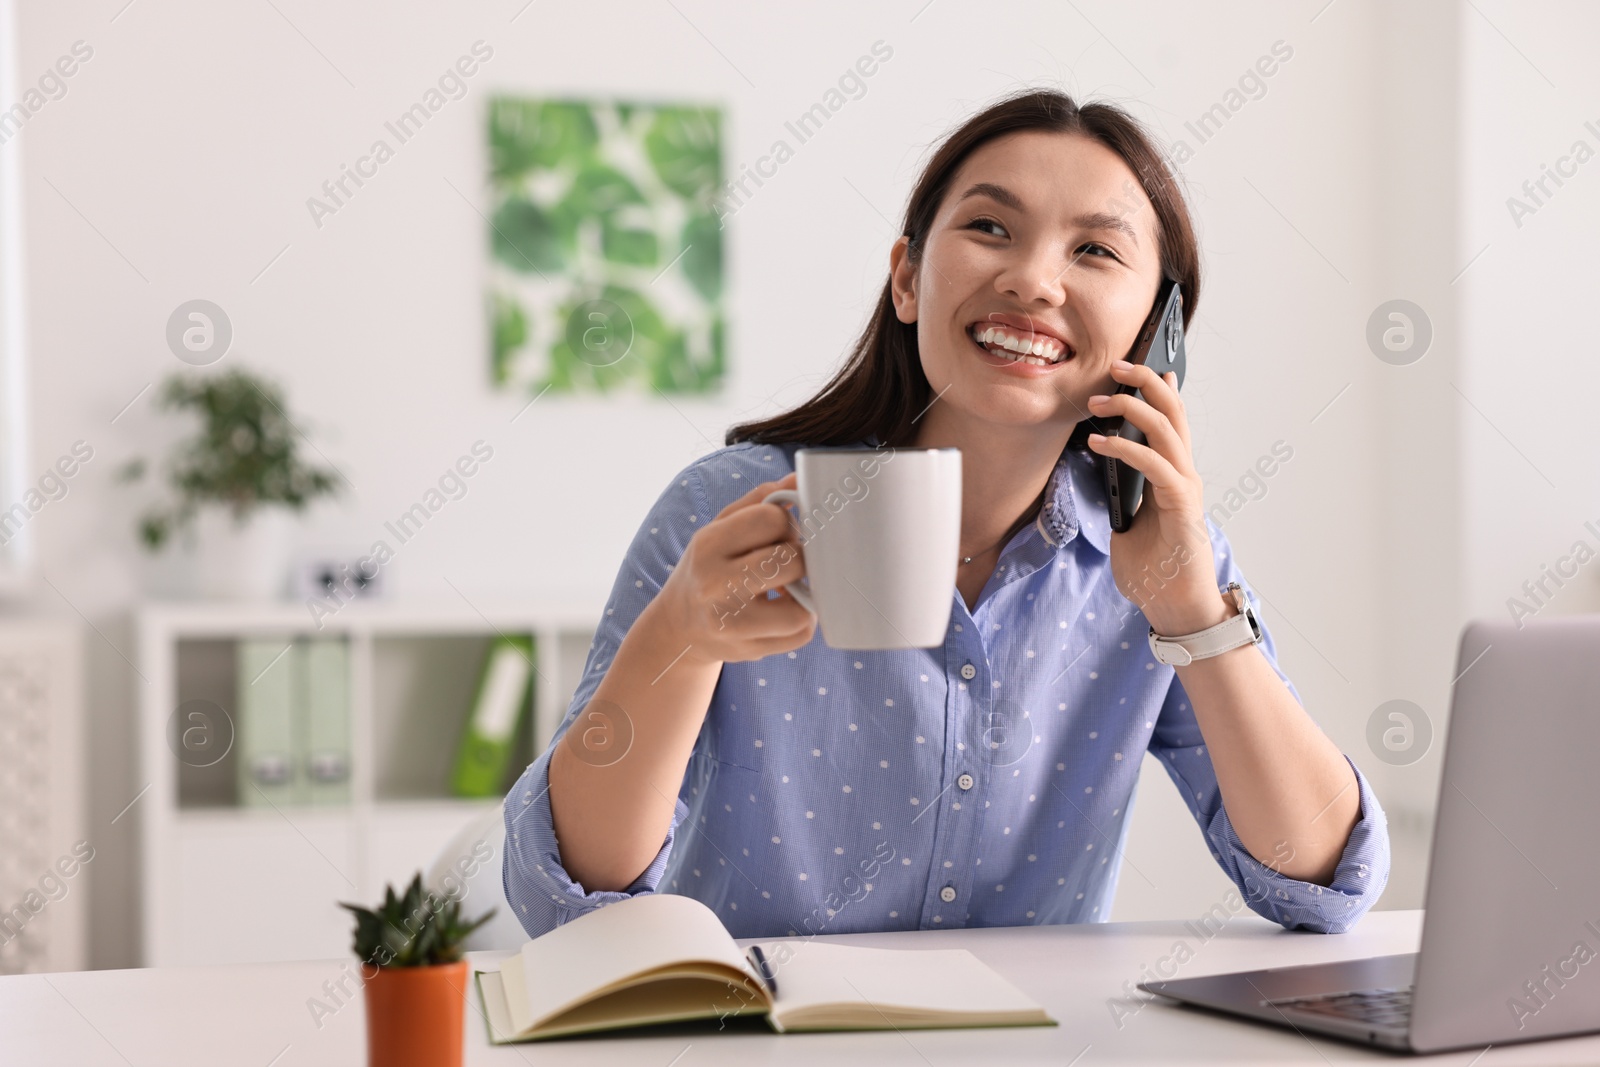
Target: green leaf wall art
[(605, 269)]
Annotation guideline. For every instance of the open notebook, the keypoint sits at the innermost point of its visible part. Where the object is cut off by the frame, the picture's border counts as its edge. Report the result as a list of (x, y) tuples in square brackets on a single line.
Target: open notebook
[(663, 958)]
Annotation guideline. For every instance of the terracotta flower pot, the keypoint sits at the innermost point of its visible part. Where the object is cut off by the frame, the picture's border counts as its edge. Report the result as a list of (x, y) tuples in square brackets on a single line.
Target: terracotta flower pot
[(414, 1015)]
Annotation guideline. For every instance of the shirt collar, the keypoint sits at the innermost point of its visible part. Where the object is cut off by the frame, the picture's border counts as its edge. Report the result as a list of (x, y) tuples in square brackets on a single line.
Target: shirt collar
[(1075, 502)]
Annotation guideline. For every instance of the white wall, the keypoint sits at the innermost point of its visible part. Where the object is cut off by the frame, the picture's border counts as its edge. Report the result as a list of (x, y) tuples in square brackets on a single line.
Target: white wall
[(1527, 306), (179, 162)]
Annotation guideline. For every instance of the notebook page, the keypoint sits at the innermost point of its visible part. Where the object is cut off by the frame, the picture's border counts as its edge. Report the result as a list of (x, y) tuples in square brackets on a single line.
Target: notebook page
[(591, 953), (935, 982)]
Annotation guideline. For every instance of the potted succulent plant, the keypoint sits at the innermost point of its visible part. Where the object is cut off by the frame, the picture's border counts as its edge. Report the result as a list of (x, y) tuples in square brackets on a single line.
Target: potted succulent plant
[(235, 481), (414, 977)]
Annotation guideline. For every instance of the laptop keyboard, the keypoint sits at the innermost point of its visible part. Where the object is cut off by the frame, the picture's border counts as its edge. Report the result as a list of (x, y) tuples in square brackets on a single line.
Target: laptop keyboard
[(1378, 1007)]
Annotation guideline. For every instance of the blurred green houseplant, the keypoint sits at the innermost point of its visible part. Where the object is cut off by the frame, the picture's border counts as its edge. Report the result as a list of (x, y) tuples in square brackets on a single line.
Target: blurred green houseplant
[(244, 456)]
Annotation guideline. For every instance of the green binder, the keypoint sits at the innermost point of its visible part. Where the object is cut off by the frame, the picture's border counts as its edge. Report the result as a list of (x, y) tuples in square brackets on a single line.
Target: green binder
[(266, 680), (498, 709), (325, 761)]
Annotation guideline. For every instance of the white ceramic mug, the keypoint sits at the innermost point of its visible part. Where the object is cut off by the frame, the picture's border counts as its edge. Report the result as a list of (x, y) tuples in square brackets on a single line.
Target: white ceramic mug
[(881, 536)]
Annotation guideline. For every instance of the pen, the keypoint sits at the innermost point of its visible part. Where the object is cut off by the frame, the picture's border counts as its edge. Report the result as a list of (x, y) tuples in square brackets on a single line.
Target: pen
[(767, 974)]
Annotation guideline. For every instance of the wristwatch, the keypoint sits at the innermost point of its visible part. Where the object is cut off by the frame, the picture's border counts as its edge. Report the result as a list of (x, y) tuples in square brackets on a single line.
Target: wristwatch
[(1243, 629)]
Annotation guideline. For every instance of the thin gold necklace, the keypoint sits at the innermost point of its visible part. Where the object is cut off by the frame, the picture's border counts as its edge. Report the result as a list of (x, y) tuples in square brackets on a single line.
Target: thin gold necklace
[(1027, 516)]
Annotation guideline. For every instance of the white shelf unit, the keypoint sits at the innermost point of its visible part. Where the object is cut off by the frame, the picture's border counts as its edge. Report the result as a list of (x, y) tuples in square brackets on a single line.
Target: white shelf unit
[(226, 883)]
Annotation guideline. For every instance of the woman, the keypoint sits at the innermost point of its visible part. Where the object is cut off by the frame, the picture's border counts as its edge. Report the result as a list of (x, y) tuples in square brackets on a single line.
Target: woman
[(716, 747)]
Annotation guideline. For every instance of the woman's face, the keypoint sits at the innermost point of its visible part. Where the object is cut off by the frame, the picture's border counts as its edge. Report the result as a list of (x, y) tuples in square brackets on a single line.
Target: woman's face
[(1044, 238)]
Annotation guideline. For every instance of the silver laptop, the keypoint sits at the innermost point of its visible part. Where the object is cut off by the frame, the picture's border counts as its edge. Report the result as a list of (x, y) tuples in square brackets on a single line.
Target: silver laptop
[(1510, 945)]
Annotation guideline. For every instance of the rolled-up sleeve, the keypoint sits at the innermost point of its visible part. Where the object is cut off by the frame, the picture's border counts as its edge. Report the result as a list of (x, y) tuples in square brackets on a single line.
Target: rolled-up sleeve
[(537, 886), (1363, 868), (540, 891)]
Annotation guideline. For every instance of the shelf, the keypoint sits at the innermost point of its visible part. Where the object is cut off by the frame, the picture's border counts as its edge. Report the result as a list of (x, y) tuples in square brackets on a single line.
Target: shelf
[(412, 675), (233, 619), (460, 810)]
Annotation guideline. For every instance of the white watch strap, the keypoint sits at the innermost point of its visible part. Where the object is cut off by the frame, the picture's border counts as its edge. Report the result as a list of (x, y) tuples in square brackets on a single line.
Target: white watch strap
[(1242, 629)]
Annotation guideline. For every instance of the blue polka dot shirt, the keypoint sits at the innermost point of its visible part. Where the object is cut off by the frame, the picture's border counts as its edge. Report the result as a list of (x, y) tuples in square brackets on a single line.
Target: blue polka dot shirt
[(985, 782)]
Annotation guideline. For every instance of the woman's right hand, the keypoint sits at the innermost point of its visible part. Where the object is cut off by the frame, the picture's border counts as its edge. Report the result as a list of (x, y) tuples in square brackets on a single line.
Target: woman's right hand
[(716, 596)]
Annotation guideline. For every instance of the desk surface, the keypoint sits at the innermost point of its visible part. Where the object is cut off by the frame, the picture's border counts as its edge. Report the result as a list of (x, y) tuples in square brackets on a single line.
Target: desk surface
[(1083, 975)]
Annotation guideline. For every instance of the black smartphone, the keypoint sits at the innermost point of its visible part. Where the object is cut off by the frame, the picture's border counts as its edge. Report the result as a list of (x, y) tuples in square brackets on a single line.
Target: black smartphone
[(1160, 346)]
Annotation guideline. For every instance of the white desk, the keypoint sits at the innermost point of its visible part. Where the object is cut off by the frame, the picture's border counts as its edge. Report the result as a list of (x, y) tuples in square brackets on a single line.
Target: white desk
[(247, 1015)]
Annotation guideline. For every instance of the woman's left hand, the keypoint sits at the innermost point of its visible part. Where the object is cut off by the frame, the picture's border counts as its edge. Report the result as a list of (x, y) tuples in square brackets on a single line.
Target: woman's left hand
[(1163, 563)]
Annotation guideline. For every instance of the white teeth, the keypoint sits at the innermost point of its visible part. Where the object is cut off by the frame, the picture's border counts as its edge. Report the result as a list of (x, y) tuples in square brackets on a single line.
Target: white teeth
[(1038, 353)]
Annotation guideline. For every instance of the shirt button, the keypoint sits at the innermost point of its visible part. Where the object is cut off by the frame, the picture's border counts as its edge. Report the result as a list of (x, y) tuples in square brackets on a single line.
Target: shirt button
[(947, 894), (965, 781), (968, 671)]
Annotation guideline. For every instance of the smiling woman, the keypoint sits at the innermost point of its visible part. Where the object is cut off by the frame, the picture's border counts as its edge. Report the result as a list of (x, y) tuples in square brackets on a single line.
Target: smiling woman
[(997, 768)]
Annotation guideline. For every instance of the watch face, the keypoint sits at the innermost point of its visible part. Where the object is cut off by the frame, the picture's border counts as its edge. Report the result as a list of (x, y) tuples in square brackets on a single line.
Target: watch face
[(1243, 603)]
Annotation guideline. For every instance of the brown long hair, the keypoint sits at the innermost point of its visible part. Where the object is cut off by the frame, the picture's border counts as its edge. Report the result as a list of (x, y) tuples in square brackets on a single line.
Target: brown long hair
[(881, 390)]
